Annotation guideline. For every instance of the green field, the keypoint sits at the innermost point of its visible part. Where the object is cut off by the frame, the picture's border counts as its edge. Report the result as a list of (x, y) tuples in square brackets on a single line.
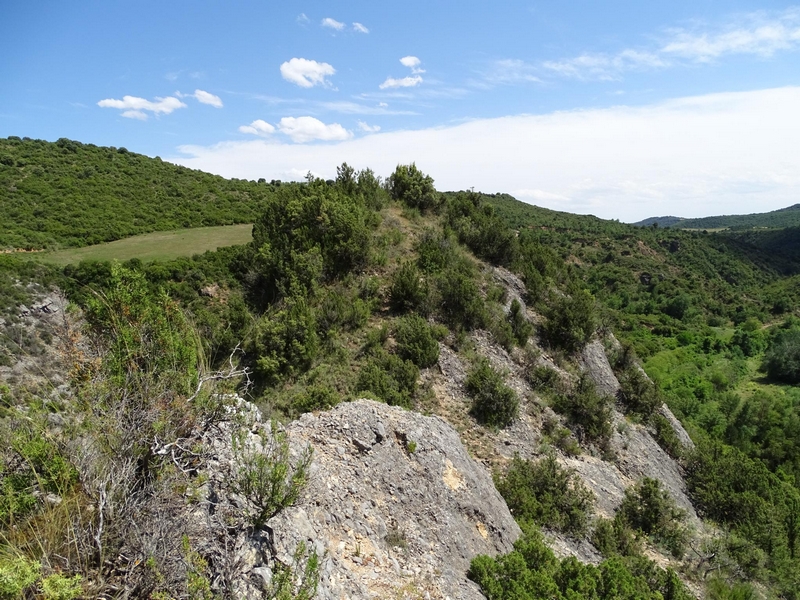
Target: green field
[(160, 245)]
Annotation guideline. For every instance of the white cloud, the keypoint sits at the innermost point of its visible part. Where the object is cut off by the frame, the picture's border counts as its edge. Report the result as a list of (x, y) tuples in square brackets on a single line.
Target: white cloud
[(761, 34), (207, 98), (307, 73), (134, 107), (302, 19), (332, 24), (368, 128), (308, 129), (409, 81), (413, 63), (355, 108), (258, 127), (605, 67), (360, 28), (757, 33), (715, 154), (512, 71)]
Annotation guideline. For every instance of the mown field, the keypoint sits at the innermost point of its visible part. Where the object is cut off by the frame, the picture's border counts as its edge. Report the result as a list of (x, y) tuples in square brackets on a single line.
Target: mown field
[(160, 245)]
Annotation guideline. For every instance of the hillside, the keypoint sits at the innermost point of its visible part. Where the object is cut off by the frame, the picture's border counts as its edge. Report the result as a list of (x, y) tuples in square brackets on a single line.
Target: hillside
[(138, 399), (776, 219), (68, 194)]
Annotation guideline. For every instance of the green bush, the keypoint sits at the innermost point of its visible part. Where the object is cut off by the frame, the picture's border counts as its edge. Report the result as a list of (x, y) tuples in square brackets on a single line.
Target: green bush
[(460, 303), (493, 402), (638, 394), (310, 233), (587, 411), (570, 320), (547, 494), (412, 187), (520, 326), (266, 476), (408, 290), (782, 358), (614, 537), (17, 574), (390, 378), (650, 509), (285, 341), (415, 341), (532, 572), (542, 378)]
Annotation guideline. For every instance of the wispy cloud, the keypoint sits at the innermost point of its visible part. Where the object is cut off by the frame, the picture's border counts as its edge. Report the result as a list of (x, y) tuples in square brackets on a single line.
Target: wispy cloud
[(357, 108), (332, 24), (302, 19), (307, 73), (360, 28), (759, 34), (404, 82), (605, 67), (137, 108)]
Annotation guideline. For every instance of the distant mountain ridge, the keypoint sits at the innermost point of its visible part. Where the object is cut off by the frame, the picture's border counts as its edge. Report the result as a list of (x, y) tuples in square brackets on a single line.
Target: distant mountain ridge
[(776, 219)]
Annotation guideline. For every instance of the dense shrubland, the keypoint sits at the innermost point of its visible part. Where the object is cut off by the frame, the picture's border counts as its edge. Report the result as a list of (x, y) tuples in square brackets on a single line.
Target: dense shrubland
[(348, 289)]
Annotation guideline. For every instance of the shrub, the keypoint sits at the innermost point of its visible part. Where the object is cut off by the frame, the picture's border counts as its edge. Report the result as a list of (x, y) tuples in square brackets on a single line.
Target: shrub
[(460, 302), (587, 411), (308, 233), (638, 394), (547, 494), (493, 403), (542, 378), (408, 291), (650, 509), (782, 358), (412, 187), (570, 320), (392, 379), (435, 251), (415, 341), (614, 537), (285, 341), (266, 475), (16, 575), (520, 326)]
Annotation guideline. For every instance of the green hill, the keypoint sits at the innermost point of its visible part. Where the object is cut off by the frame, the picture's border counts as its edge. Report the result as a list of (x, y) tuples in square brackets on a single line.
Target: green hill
[(68, 194), (784, 217)]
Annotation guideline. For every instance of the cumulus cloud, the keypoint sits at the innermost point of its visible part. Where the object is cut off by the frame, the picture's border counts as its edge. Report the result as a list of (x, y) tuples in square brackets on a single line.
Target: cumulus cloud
[(258, 127), (137, 108), (413, 63), (308, 129), (307, 73), (207, 98), (368, 128), (332, 24), (360, 28), (715, 154), (410, 81)]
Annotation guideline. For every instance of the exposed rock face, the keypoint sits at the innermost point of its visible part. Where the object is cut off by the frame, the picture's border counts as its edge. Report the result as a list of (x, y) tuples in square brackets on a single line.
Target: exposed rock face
[(368, 491), (394, 507)]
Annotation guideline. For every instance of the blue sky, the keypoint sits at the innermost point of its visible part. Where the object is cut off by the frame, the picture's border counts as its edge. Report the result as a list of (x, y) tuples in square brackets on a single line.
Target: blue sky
[(620, 109)]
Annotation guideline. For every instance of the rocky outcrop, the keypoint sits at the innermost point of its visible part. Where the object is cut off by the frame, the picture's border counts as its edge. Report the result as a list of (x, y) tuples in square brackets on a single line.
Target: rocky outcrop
[(394, 507)]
